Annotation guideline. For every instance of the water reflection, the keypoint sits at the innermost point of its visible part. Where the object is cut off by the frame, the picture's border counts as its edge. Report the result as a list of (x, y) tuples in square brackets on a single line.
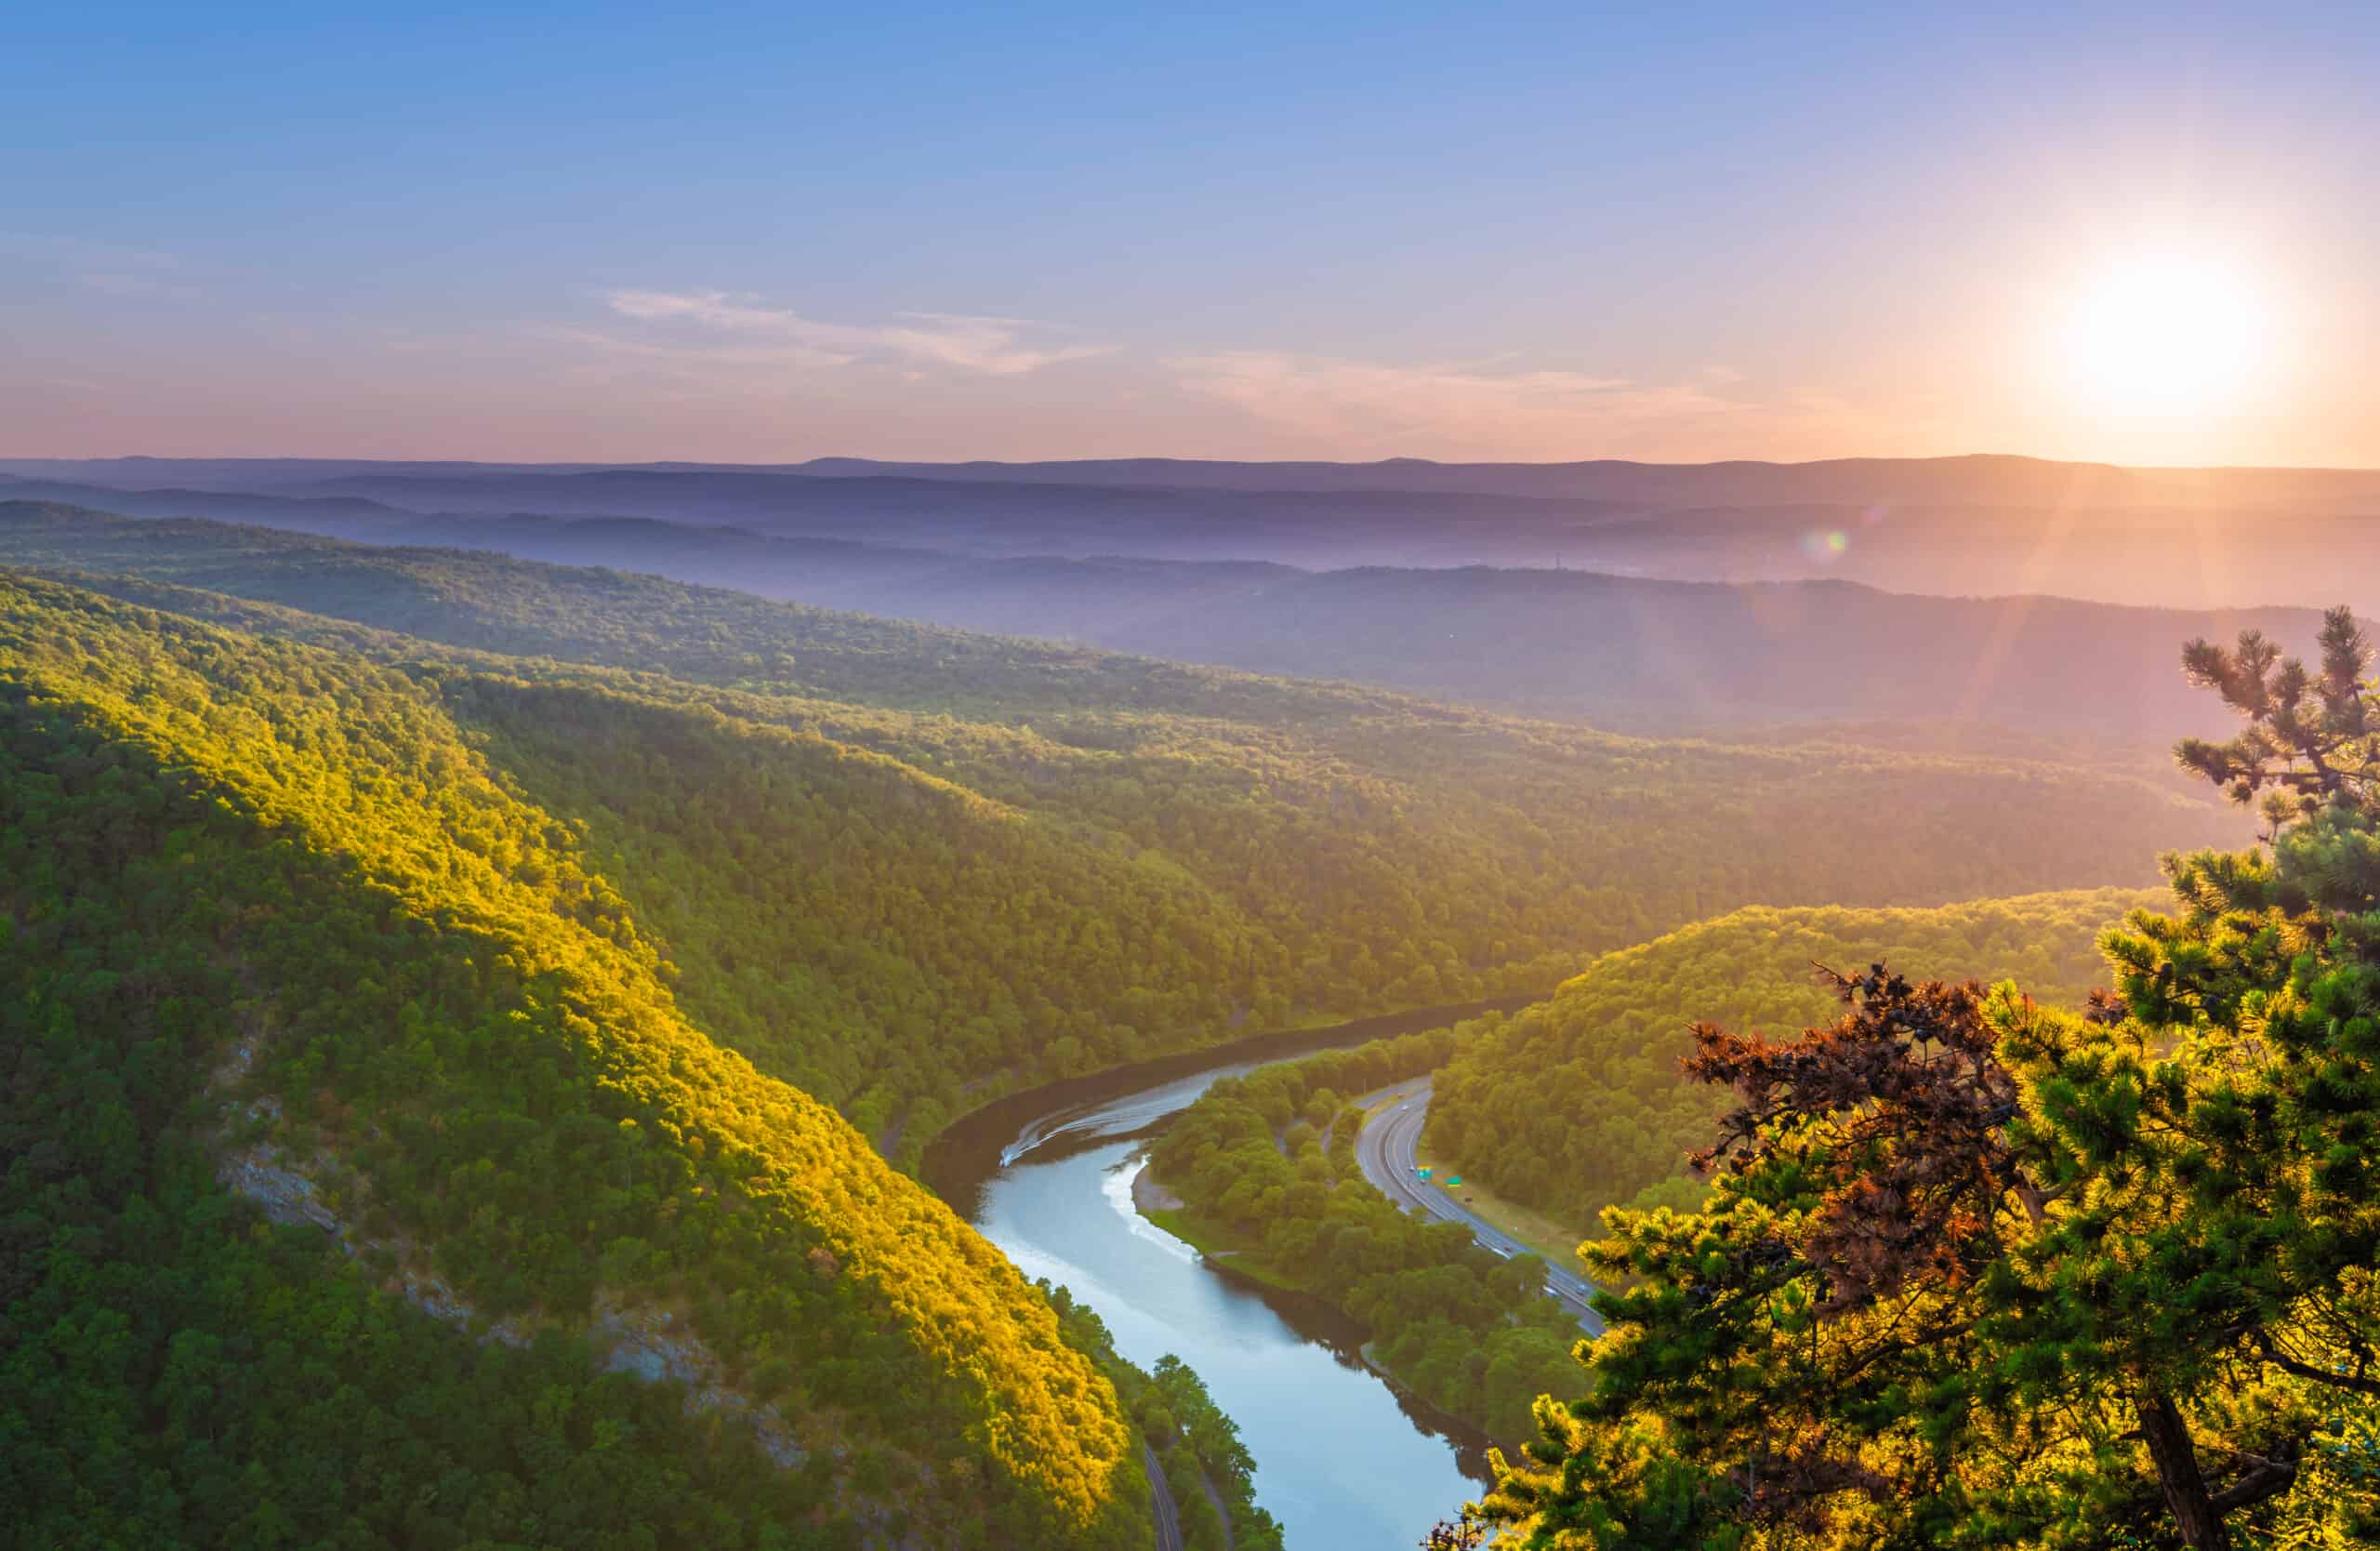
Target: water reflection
[(1344, 1461)]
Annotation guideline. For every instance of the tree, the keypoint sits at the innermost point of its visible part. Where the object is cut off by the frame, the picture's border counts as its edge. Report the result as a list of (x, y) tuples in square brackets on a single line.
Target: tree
[(1977, 1272), (2310, 738), (1463, 1533)]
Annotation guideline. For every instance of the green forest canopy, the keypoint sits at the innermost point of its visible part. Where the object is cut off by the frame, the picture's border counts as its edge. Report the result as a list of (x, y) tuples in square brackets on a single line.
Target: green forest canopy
[(903, 867), (1976, 1270), (489, 921), (1578, 1101), (458, 1031)]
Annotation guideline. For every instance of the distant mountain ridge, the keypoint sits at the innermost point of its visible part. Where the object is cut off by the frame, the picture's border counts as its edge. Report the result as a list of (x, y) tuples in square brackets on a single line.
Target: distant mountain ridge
[(2188, 538), (1624, 652), (1986, 478), (1966, 477)]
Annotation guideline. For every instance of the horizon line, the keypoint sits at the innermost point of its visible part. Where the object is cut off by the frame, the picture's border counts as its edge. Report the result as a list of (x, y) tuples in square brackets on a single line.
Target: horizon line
[(694, 464)]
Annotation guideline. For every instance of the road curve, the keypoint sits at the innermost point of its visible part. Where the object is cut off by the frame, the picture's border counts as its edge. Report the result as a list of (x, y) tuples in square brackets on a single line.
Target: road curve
[(1386, 1149), (1168, 1516)]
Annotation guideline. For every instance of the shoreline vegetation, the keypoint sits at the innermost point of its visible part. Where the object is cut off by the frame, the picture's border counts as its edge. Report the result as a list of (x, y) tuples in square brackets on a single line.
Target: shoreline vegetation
[(968, 1149), (1578, 1101), (1301, 1105), (1209, 1469), (1264, 1167), (1236, 1263)]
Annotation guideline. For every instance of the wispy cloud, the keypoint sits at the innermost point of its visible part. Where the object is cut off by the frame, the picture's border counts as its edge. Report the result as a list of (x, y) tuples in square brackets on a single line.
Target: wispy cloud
[(1386, 405), (120, 284), (81, 253), (115, 267), (1471, 409), (732, 329)]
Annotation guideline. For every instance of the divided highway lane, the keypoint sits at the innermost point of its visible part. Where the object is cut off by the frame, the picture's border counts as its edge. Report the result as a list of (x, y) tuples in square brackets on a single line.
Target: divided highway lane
[(1387, 1149)]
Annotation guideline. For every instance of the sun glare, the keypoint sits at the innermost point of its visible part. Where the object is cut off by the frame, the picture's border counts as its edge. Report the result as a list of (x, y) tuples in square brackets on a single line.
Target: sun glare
[(2165, 334)]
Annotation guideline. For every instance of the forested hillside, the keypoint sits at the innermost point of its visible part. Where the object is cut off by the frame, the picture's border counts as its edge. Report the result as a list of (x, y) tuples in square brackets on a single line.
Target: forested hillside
[(273, 922), (897, 864), (1578, 1101), (1976, 1269), (518, 931), (1623, 650)]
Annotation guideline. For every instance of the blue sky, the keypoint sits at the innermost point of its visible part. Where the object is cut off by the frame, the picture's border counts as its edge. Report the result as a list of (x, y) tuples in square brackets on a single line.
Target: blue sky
[(761, 233)]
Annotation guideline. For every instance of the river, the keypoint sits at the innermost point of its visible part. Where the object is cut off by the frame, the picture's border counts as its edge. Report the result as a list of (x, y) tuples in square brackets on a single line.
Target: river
[(1344, 1462)]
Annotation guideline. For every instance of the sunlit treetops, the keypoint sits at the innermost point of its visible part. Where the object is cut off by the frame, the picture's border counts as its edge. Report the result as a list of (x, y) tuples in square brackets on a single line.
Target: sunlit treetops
[(1579, 1102), (1053, 860), (1978, 1270), (464, 1029)]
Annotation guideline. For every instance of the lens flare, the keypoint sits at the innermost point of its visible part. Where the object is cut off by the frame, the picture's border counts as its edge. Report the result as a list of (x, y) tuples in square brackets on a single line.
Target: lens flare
[(1825, 546)]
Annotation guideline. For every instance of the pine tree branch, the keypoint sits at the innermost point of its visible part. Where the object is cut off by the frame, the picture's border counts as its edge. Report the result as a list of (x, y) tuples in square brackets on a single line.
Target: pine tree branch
[(2355, 1382)]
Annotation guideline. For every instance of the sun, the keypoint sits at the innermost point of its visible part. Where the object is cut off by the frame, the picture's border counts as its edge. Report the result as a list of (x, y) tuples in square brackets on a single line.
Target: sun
[(2164, 335)]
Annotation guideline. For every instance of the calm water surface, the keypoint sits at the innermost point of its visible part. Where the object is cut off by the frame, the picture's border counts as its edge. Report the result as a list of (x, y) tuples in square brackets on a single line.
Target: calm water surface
[(1343, 1461)]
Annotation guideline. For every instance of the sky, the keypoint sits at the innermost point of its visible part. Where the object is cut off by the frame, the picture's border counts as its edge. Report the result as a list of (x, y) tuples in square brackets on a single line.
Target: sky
[(770, 233)]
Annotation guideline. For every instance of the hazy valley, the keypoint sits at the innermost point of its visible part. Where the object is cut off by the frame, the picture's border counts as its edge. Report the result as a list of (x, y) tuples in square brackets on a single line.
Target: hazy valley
[(1072, 777), (908, 868)]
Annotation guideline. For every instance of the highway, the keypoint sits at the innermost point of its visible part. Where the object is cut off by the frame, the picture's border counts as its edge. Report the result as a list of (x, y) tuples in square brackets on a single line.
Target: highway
[(1386, 1149)]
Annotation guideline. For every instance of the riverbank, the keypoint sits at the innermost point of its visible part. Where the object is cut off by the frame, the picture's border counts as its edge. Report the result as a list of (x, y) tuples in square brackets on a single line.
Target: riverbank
[(1222, 1250), (1029, 1170), (1274, 1189), (1149, 1197), (960, 1155), (1343, 1460), (1212, 1240), (1215, 1244)]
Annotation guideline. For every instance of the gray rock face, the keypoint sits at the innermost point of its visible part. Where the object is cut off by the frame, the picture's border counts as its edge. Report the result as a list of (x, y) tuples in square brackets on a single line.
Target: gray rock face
[(649, 1344), (280, 1192), (645, 1342)]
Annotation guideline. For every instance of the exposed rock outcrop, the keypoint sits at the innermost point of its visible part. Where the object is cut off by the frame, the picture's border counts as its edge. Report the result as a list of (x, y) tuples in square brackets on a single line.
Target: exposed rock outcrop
[(649, 1343)]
